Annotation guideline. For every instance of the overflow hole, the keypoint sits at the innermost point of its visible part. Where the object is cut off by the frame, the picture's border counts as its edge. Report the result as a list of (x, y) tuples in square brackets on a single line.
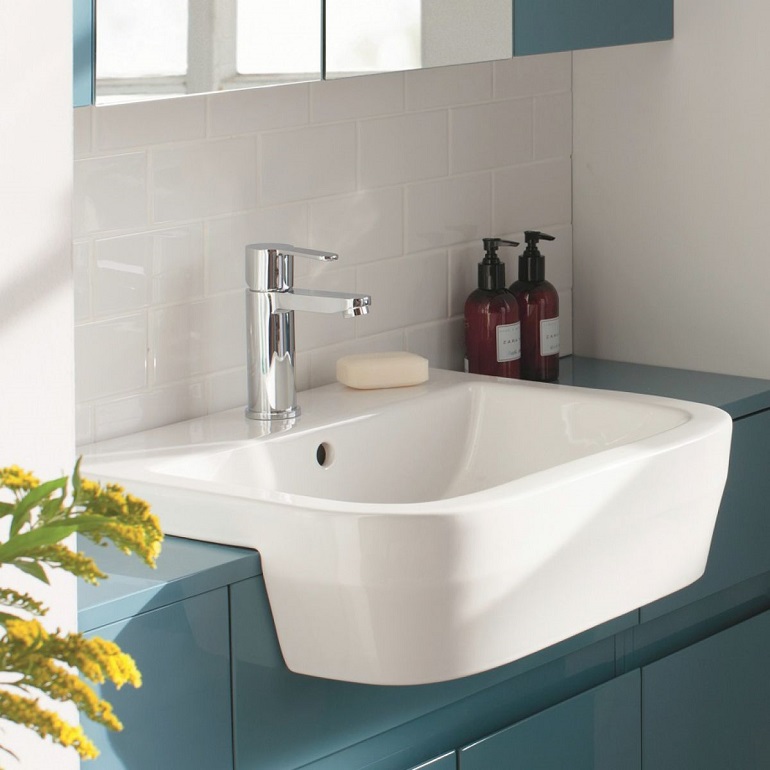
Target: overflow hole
[(323, 455)]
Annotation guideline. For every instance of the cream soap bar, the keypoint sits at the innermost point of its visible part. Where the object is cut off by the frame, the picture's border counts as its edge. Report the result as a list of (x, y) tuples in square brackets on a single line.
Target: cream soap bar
[(369, 371)]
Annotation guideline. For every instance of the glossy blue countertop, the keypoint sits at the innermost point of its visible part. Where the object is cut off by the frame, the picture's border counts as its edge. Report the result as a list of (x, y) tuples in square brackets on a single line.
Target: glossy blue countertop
[(738, 396), (185, 568)]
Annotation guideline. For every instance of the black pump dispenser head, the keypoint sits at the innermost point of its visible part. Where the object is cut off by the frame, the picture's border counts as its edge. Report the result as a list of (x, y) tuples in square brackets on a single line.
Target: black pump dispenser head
[(531, 261), (491, 269)]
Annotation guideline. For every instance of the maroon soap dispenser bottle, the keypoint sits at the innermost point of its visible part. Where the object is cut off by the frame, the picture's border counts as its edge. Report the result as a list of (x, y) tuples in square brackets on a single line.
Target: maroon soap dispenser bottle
[(538, 303), (492, 331)]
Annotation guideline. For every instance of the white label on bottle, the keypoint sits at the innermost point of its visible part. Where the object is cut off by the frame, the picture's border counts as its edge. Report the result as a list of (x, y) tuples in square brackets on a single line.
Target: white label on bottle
[(508, 342), (549, 336)]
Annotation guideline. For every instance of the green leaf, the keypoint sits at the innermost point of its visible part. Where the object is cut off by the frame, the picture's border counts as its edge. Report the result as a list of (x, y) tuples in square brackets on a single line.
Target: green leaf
[(32, 568), (24, 507), (77, 481), (21, 545), (6, 508), (6, 616)]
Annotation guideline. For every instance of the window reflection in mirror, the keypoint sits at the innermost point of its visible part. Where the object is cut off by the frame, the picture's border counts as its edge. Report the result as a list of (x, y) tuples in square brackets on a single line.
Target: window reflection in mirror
[(364, 38), (148, 49)]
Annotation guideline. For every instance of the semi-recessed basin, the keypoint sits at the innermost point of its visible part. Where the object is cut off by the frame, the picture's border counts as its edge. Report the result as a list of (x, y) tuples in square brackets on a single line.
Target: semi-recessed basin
[(420, 534)]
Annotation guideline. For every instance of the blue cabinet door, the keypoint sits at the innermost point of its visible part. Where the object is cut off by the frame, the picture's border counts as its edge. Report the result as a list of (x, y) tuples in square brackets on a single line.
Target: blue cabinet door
[(181, 715), (707, 707), (445, 762), (543, 26), (597, 730)]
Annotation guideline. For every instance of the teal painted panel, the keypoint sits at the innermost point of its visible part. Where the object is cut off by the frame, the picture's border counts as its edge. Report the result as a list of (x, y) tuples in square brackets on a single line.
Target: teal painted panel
[(676, 630), (597, 730), (83, 52), (180, 717), (708, 706), (543, 26), (185, 568), (286, 720), (447, 762), (740, 547), (738, 396)]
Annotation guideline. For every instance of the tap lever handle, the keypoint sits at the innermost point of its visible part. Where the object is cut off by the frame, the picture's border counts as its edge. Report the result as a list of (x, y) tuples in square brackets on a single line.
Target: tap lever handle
[(270, 266)]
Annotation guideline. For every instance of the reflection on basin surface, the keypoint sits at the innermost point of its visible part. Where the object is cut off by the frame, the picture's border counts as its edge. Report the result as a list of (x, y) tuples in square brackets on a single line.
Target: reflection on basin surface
[(426, 533)]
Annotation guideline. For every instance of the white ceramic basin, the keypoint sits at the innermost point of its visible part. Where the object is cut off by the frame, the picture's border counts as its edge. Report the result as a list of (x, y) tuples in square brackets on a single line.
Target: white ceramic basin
[(421, 534)]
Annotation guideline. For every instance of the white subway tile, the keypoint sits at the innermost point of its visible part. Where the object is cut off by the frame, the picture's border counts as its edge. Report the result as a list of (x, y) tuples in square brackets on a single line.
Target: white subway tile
[(530, 75), (156, 267), (226, 240), (110, 194), (197, 338), (442, 343), (356, 97), (323, 361), (156, 121), (308, 163), (82, 131), (553, 126), (448, 86), (121, 274), (110, 357), (448, 211), (302, 370), (203, 179), (405, 291), (151, 409), (463, 273), (84, 424), (81, 258), (404, 148), (227, 390), (315, 330), (533, 196), (491, 135), (249, 110), (362, 227), (177, 264)]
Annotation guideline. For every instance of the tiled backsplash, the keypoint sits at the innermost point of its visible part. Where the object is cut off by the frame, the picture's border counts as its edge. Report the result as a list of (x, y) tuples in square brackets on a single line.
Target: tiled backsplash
[(402, 174)]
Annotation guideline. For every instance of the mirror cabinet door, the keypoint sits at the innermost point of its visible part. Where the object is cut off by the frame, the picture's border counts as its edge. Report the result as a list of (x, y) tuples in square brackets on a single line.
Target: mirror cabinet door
[(365, 38), (146, 49)]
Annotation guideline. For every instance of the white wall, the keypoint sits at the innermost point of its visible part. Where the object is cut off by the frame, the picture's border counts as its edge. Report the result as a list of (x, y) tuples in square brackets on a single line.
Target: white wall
[(402, 174), (671, 194), (36, 315)]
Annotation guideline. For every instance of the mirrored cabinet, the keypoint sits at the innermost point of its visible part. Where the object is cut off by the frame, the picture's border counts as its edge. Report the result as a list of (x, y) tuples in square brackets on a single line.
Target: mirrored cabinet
[(128, 50)]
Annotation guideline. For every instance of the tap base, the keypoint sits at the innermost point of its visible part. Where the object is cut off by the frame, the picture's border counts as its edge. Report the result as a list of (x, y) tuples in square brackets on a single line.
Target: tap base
[(282, 414)]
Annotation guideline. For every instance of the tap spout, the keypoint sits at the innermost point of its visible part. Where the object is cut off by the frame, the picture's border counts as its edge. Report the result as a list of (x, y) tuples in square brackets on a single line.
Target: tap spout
[(323, 302)]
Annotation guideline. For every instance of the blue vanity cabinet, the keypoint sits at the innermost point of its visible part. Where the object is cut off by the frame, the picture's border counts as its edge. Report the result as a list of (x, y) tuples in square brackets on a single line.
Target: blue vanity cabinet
[(179, 717), (445, 762), (707, 707), (175, 622), (597, 730)]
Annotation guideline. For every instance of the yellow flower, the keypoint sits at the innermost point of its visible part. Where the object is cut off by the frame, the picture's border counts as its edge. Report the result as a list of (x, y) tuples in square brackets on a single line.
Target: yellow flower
[(30, 633), (17, 479), (47, 724)]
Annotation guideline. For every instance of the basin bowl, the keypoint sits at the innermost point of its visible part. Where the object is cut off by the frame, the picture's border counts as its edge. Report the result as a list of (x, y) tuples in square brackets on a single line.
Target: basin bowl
[(420, 534)]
